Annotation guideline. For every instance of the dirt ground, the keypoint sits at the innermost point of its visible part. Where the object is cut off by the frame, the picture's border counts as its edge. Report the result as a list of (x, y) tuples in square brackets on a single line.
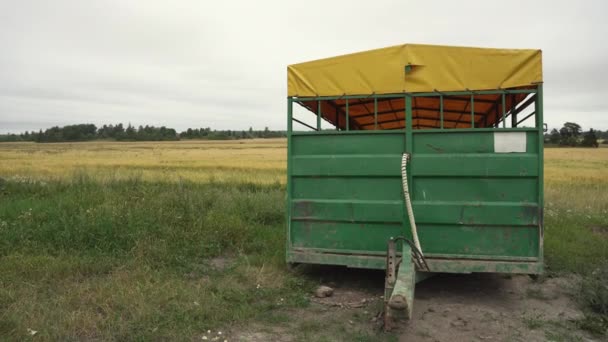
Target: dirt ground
[(474, 307)]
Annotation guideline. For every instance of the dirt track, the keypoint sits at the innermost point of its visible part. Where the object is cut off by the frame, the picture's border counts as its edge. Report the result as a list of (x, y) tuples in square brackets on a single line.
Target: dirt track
[(476, 307)]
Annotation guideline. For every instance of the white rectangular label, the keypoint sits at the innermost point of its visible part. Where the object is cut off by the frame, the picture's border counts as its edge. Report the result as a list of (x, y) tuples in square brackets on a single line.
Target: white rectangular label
[(508, 142)]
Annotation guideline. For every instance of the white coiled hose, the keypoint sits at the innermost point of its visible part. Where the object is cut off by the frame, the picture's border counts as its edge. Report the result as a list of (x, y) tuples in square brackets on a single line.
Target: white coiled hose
[(408, 201)]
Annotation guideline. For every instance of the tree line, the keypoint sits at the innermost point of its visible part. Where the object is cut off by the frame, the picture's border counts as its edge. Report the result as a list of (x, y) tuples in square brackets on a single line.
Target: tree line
[(571, 134), (87, 132)]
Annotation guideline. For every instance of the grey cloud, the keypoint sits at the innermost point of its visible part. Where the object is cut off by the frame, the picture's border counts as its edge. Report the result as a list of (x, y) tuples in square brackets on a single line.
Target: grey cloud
[(222, 64)]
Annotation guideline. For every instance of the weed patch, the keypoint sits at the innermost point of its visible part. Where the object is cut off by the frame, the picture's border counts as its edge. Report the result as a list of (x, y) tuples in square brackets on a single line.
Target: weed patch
[(594, 297)]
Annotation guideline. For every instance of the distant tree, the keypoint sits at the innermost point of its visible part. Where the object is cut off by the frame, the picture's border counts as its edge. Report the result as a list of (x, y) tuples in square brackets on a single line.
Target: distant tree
[(590, 139), (569, 134), (84, 132), (10, 137), (130, 132), (554, 136)]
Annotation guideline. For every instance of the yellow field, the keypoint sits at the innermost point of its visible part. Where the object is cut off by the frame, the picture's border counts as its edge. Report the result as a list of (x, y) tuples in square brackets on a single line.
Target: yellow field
[(576, 165), (260, 161), (577, 178), (567, 170)]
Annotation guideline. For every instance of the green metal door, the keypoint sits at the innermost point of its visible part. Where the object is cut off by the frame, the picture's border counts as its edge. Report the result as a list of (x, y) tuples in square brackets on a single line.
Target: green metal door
[(346, 196)]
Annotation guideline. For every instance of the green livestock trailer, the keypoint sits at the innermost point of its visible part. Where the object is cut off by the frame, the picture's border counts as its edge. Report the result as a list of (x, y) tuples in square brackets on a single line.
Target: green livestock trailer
[(422, 159)]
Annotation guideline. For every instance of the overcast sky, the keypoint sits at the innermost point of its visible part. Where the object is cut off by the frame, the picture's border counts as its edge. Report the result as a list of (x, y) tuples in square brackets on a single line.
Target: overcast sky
[(193, 63)]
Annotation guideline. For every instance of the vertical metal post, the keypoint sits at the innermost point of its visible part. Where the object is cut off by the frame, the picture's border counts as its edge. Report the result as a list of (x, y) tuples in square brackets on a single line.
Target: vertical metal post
[(441, 110), (375, 112), (538, 106), (347, 117), (408, 119), (513, 113), (504, 110), (485, 119), (289, 116), (497, 110), (289, 162), (337, 119), (472, 111), (318, 115), (409, 134)]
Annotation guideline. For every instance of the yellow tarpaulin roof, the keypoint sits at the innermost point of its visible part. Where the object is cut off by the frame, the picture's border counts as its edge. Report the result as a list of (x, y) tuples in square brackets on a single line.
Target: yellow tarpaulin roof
[(433, 67)]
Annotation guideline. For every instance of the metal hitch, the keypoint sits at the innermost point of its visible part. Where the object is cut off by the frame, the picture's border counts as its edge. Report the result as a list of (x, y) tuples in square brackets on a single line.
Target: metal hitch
[(402, 274)]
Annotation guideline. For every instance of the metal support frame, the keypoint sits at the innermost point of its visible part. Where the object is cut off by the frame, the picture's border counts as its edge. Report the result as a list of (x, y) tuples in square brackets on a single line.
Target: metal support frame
[(472, 111), (408, 124), (337, 118), (525, 118), (409, 134), (538, 106), (514, 119), (289, 163), (504, 110), (413, 118), (453, 95), (441, 110), (319, 115), (391, 111), (424, 94), (305, 124), (399, 285), (521, 108), (347, 117), (437, 93), (339, 111), (375, 113)]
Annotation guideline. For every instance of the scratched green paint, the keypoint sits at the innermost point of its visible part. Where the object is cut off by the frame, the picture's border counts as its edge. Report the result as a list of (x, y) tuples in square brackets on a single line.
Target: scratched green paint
[(341, 236), (350, 210), (476, 189), (470, 203), (477, 213), (355, 188)]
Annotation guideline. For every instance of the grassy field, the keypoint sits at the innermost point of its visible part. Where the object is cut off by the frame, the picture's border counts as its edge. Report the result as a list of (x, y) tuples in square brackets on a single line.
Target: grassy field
[(165, 241), (255, 161), (576, 208)]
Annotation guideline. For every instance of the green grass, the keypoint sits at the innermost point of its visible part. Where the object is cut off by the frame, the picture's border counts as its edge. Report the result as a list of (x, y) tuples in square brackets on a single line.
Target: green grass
[(571, 245), (129, 260), (593, 296), (534, 322), (121, 257), (554, 330), (576, 241)]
